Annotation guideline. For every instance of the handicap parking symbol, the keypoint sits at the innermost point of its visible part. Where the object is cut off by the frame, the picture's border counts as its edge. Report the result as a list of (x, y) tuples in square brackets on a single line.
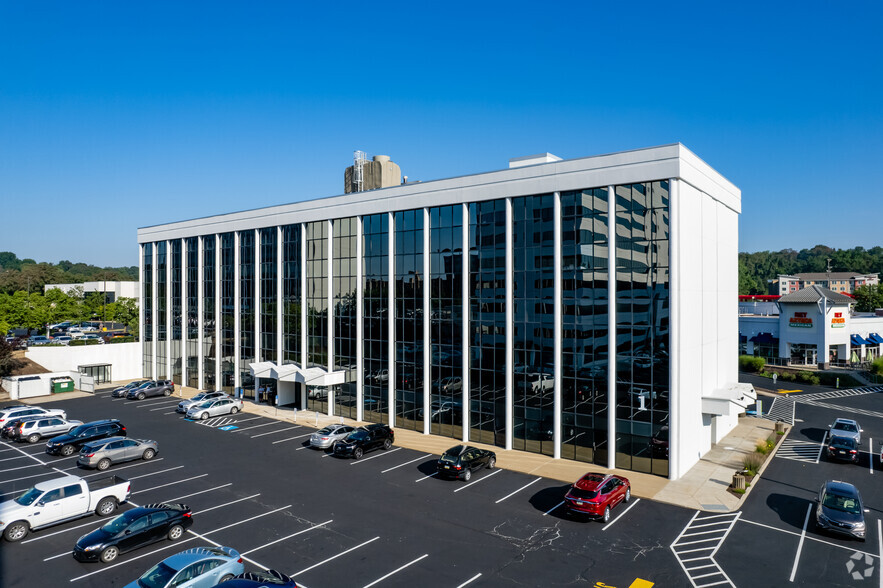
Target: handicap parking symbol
[(228, 428)]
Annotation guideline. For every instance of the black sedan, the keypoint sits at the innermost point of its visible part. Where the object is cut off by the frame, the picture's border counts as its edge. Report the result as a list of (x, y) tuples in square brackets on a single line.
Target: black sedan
[(365, 439), (843, 449), (133, 529), (461, 460)]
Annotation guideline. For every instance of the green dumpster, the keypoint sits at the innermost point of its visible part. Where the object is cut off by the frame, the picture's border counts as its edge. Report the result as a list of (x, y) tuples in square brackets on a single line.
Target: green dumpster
[(62, 385)]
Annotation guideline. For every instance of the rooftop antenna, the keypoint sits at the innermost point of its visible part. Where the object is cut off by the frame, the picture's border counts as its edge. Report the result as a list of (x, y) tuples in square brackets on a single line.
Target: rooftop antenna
[(360, 158)]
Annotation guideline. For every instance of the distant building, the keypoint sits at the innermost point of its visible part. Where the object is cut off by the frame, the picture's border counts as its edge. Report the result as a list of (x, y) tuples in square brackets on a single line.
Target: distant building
[(113, 290), (378, 173), (842, 282)]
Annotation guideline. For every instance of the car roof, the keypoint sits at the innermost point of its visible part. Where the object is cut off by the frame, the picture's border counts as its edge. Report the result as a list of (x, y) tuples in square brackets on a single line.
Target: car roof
[(841, 439), (195, 554), (839, 487), (57, 483), (105, 441), (592, 481), (849, 421), (102, 422)]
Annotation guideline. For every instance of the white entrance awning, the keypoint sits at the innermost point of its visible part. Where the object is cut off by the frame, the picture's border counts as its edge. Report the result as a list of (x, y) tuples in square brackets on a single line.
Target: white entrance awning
[(262, 369), (731, 400), (289, 372)]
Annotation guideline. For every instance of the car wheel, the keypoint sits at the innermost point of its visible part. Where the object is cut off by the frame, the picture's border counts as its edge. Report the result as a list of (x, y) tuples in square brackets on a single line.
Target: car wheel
[(387, 444), (103, 464), (491, 463), (16, 531), (148, 454), (142, 396), (106, 507), (176, 532), (467, 475), (33, 438), (234, 410), (203, 416), (67, 450), (109, 554), (167, 393), (358, 453), (226, 578), (606, 514)]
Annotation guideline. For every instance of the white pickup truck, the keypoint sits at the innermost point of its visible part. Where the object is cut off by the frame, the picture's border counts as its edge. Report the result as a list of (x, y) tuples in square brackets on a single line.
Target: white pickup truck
[(59, 500)]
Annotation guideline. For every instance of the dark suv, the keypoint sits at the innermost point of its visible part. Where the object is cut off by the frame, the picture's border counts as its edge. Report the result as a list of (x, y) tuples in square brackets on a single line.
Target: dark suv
[(151, 388), (839, 509), (133, 529), (364, 439), (71, 442)]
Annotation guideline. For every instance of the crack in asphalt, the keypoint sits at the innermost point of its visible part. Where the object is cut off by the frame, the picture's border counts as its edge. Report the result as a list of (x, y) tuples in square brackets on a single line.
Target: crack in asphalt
[(538, 539)]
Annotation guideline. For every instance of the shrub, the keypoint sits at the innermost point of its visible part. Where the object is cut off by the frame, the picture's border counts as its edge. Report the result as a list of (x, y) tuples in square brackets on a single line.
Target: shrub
[(877, 367), (749, 363), (752, 463), (764, 447), (128, 339), (80, 342)]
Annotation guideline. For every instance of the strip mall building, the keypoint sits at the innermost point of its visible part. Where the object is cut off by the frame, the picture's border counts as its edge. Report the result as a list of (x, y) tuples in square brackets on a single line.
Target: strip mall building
[(593, 319)]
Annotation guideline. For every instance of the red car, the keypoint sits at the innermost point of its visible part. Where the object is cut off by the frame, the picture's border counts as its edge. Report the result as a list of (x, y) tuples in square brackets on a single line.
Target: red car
[(596, 494)]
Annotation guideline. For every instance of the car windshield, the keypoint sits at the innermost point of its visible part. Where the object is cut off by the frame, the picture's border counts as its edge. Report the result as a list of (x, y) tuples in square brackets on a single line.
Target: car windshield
[(29, 497), (842, 503), (586, 494), (848, 427), (78, 431), (205, 404), (326, 431), (121, 522), (357, 436), (157, 577), (198, 398)]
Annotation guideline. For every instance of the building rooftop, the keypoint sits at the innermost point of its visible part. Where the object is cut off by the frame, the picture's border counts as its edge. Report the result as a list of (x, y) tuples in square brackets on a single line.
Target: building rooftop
[(826, 275), (815, 293)]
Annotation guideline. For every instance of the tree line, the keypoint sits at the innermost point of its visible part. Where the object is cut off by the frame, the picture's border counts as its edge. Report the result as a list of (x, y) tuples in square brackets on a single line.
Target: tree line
[(28, 275), (37, 310)]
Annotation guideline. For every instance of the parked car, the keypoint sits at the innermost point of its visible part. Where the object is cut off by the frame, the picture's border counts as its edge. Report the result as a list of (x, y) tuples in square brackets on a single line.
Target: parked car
[(17, 342), (123, 390), (839, 509), (846, 428), (327, 437), (365, 439), (843, 449), (266, 579), (75, 332), (38, 340), (62, 340), (61, 499), (68, 443), (7, 428), (18, 411), (186, 405), (133, 529), (32, 429), (596, 494), (195, 568), (92, 337), (461, 460), (151, 388), (213, 408), (106, 452)]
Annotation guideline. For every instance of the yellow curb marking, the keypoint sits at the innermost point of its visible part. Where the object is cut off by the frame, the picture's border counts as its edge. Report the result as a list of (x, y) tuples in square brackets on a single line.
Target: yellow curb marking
[(788, 391)]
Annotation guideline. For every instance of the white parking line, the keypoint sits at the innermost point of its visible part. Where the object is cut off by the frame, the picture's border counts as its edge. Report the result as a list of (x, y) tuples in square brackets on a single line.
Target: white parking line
[(170, 484), (16, 457), (493, 473), (333, 557), (33, 465), (800, 545), (302, 531), (172, 412), (161, 408), (200, 492), (373, 456), (513, 494), (553, 508), (292, 439), (433, 474), (821, 448), (34, 476), (134, 465), (256, 426), (871, 456), (274, 432), (227, 503), (406, 463), (395, 571), (610, 524), (880, 542), (470, 580), (158, 401), (808, 537), (155, 473), (41, 462)]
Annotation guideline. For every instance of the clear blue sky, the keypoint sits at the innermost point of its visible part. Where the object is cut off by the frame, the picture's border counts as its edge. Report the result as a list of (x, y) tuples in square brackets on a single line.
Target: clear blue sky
[(116, 115)]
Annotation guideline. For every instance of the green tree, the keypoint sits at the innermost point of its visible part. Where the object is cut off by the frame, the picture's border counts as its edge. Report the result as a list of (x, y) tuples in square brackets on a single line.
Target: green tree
[(868, 298)]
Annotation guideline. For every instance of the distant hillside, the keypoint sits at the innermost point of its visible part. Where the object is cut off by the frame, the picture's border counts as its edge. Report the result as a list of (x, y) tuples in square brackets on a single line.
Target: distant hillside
[(755, 269), (23, 274)]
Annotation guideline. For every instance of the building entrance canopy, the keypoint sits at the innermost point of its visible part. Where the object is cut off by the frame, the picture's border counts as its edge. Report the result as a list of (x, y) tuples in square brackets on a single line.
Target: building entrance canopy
[(313, 376)]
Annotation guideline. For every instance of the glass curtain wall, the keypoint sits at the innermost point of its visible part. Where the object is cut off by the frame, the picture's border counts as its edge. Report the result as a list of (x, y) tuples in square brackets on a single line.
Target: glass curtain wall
[(192, 320), (343, 272), (176, 302), (147, 305), (208, 311), (585, 245), (268, 295), (317, 308), (162, 335), (534, 324), (487, 323), (246, 312), (409, 319), (375, 317), (642, 326), (446, 316), (291, 291), (228, 310)]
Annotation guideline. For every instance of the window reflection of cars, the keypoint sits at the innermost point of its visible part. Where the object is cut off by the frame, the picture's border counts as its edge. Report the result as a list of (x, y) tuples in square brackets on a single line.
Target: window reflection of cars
[(659, 443)]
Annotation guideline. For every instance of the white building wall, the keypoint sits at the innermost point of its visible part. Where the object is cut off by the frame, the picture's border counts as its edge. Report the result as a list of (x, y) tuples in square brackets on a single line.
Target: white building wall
[(124, 358)]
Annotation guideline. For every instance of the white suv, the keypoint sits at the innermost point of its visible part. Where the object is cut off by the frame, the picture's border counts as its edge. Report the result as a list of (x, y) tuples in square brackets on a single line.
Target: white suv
[(15, 412)]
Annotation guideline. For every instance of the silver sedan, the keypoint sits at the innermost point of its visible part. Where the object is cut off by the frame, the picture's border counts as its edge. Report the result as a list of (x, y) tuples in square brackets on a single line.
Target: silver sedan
[(186, 405), (327, 437), (103, 453), (213, 408)]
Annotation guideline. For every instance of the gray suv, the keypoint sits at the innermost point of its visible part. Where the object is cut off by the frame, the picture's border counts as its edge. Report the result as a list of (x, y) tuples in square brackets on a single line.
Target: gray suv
[(35, 429), (103, 453), (151, 388)]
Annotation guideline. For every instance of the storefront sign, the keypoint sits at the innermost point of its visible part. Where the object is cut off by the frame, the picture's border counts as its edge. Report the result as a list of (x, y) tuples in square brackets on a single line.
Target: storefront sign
[(838, 322), (800, 320)]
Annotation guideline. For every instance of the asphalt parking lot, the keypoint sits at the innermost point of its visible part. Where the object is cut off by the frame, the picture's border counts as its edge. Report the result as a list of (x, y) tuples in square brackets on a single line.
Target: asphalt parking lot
[(386, 520)]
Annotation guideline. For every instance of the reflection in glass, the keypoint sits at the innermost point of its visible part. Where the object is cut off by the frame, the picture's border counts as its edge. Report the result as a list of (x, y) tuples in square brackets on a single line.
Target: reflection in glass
[(161, 306), (191, 328), (343, 284), (409, 319), (375, 317), (147, 305), (246, 311), (228, 311), (208, 312)]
